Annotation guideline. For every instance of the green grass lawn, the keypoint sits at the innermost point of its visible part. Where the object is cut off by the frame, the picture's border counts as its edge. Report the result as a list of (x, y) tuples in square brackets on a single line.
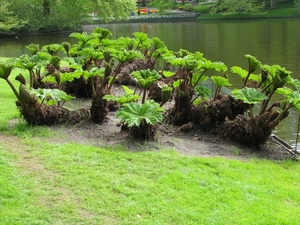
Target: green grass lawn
[(8, 109), (77, 184), (43, 182)]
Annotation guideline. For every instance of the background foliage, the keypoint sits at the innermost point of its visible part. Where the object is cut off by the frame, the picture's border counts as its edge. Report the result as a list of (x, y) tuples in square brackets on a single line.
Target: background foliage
[(7, 20), (58, 15)]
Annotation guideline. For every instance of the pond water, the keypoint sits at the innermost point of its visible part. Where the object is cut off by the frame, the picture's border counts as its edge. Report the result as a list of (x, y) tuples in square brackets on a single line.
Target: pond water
[(272, 41)]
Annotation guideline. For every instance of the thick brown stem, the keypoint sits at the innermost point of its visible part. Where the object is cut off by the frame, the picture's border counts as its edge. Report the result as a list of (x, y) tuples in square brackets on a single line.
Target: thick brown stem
[(265, 103), (115, 75), (246, 79), (31, 78), (281, 116), (15, 92), (217, 92), (144, 96), (199, 78)]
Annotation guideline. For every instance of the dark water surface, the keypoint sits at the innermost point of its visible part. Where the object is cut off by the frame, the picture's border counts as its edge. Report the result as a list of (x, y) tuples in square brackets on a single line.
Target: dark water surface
[(272, 41)]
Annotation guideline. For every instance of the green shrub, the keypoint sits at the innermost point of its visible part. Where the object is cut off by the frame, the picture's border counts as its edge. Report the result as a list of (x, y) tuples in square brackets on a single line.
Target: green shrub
[(188, 7), (202, 8), (180, 7)]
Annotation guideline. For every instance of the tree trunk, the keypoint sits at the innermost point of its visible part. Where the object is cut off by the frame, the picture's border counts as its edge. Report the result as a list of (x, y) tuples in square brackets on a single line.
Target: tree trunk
[(273, 4), (46, 7)]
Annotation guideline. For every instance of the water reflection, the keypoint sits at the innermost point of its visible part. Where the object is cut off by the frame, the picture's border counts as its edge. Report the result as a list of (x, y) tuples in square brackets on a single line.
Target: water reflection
[(14, 47)]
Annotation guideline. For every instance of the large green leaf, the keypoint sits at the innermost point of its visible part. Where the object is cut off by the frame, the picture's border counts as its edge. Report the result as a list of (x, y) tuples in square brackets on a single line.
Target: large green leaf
[(124, 56), (126, 42), (191, 64), (33, 48), (6, 68), (134, 113), (207, 64), (198, 56), (243, 73), (239, 71), (122, 99), (158, 44), (286, 92), (142, 40), (51, 96), (129, 96), (63, 77), (66, 46), (127, 90), (177, 83), (146, 77), (254, 64), (101, 33), (168, 73), (95, 71), (33, 62), (202, 91), (75, 62), (174, 61), (255, 77), (271, 69), (25, 62), (249, 95), (220, 81), (296, 83), (83, 38), (166, 92), (292, 97), (52, 49), (282, 77), (141, 36)]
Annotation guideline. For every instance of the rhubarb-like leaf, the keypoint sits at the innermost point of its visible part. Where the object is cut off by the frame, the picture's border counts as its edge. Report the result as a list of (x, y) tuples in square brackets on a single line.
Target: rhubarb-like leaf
[(254, 64), (51, 96), (220, 81), (249, 95), (134, 113), (145, 77), (239, 71)]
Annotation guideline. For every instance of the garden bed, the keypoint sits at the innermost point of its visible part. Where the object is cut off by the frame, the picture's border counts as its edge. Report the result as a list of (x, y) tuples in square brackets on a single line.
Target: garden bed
[(194, 142)]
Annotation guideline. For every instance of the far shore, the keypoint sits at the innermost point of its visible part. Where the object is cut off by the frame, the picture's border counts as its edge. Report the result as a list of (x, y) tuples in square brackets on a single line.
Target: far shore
[(155, 18)]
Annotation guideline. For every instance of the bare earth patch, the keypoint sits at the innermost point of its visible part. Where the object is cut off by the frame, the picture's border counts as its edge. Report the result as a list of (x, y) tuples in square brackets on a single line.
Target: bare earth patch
[(194, 143)]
